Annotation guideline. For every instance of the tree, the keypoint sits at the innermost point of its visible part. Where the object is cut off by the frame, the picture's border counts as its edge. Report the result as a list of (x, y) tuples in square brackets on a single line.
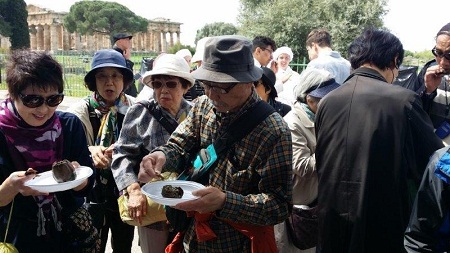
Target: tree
[(109, 18), (13, 23), (288, 22), (216, 29), (178, 46)]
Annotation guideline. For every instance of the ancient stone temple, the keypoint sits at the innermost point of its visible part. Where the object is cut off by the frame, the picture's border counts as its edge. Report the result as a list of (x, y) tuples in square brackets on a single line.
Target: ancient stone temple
[(47, 32)]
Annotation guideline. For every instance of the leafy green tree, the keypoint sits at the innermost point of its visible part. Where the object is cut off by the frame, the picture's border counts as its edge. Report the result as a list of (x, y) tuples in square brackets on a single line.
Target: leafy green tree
[(178, 46), (216, 29), (88, 17), (13, 23), (288, 22)]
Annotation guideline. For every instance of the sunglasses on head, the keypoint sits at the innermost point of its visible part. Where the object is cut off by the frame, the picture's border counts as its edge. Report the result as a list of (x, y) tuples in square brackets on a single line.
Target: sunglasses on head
[(168, 84), (33, 101), (440, 54)]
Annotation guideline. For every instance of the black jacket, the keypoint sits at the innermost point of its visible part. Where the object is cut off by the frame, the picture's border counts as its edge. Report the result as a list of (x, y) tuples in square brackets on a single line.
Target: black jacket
[(373, 143)]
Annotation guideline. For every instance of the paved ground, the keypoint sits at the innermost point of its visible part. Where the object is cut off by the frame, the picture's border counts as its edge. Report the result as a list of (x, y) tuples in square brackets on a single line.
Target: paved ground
[(66, 103)]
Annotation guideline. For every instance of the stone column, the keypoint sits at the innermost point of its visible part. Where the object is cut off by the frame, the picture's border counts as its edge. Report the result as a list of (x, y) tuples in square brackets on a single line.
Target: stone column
[(33, 37), (90, 42), (39, 37), (77, 41), (66, 40), (164, 41), (54, 38), (171, 38), (178, 37), (47, 37)]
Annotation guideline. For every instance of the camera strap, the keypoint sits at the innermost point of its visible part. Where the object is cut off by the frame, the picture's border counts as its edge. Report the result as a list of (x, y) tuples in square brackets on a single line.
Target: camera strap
[(154, 110), (240, 128)]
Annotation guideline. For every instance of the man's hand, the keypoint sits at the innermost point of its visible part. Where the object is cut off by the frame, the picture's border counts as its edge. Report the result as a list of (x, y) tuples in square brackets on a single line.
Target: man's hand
[(151, 166), (433, 77), (210, 199)]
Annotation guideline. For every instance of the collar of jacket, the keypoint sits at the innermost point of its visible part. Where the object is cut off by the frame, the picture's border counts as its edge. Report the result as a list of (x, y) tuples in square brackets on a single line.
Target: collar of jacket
[(367, 72)]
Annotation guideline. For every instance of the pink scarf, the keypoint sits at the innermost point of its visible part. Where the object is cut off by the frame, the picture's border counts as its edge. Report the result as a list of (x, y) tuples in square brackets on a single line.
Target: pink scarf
[(37, 148)]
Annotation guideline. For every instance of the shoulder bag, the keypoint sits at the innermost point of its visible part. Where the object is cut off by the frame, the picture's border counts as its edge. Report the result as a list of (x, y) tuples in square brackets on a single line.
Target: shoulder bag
[(4, 246), (207, 157), (302, 226), (155, 211)]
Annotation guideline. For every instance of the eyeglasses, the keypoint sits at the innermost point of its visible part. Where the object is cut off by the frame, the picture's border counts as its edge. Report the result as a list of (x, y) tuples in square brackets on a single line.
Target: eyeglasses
[(159, 84), (34, 101), (102, 77), (440, 54), (268, 49), (208, 86)]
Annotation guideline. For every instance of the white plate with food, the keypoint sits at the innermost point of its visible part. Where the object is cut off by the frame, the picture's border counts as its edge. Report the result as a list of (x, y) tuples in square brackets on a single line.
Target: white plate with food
[(44, 182), (154, 190)]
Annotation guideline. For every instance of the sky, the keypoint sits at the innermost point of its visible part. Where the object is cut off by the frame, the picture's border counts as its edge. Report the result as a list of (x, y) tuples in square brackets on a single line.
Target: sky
[(415, 23)]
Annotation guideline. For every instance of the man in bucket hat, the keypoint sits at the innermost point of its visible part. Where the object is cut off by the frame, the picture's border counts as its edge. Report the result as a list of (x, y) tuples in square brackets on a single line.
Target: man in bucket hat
[(249, 185)]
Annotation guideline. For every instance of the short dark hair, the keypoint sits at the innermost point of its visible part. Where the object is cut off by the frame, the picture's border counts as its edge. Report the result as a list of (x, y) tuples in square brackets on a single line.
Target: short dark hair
[(319, 36), (31, 68), (376, 46), (263, 42)]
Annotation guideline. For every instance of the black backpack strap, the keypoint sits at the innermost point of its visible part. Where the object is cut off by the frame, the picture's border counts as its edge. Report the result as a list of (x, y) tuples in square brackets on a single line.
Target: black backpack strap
[(243, 125), (155, 110)]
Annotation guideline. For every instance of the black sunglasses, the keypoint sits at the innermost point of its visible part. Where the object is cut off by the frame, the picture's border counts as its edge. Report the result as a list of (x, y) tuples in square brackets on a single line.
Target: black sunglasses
[(33, 101), (168, 84), (440, 54)]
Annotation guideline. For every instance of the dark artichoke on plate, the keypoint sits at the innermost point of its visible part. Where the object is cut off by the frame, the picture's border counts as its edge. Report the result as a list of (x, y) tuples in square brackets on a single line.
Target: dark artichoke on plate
[(63, 171), (169, 191)]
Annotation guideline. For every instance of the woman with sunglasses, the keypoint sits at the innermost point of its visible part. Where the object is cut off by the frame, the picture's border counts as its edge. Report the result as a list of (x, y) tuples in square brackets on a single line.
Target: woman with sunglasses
[(170, 79), (102, 114), (33, 135)]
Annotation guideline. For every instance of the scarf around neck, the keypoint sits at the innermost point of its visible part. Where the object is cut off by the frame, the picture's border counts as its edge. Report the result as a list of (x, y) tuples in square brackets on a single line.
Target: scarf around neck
[(109, 131), (308, 111), (37, 148), (31, 147)]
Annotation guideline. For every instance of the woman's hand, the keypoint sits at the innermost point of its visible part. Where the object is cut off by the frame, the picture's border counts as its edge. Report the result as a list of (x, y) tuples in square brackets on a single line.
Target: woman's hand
[(137, 202), (15, 184), (100, 157)]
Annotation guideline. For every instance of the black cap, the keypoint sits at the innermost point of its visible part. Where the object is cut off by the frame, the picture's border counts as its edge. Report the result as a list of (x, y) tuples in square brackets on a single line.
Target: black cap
[(119, 36), (269, 79), (444, 30)]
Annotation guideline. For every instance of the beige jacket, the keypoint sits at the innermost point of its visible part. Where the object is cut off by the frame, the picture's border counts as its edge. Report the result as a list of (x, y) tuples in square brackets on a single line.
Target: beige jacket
[(305, 180)]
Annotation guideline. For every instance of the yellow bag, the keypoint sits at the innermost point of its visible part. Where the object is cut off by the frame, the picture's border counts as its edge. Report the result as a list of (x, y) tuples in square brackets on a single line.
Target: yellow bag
[(8, 247), (155, 211)]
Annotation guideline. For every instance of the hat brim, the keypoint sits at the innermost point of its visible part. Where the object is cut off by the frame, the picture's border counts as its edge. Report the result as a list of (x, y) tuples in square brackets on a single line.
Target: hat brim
[(90, 75), (323, 91), (273, 91), (148, 75), (220, 77)]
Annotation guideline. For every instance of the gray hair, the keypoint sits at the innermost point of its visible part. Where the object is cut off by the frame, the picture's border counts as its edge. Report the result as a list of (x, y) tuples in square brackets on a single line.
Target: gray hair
[(310, 78)]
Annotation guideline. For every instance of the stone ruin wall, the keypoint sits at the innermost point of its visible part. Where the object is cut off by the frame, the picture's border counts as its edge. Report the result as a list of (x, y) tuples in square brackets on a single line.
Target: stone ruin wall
[(47, 33)]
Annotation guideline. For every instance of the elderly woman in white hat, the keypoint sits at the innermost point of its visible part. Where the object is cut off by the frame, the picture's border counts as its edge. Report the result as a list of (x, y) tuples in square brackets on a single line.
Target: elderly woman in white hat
[(287, 78), (142, 132)]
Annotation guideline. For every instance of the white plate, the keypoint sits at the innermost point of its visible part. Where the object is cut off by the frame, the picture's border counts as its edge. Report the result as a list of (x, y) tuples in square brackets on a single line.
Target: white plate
[(153, 191), (46, 183)]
